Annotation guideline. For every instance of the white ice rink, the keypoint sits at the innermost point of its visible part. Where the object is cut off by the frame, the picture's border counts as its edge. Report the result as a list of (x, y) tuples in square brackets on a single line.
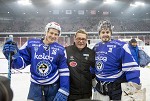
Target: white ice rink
[(20, 80)]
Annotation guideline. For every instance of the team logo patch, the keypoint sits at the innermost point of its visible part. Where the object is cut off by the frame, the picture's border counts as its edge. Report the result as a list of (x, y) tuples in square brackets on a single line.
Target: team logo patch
[(71, 58), (44, 68), (35, 48), (86, 56), (73, 64), (99, 66)]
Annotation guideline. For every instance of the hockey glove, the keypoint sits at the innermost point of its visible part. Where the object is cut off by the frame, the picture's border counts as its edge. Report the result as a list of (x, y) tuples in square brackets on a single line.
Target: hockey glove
[(10, 47), (60, 97)]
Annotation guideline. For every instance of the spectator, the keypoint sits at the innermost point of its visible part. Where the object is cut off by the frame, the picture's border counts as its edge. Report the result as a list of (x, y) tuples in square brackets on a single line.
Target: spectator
[(134, 49), (139, 55)]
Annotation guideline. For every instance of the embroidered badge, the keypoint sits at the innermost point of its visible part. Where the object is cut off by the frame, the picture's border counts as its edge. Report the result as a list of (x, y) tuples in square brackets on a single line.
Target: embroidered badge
[(73, 64)]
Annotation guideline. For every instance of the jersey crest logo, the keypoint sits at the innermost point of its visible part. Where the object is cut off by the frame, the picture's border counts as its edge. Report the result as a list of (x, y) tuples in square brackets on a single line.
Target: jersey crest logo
[(99, 66), (44, 68)]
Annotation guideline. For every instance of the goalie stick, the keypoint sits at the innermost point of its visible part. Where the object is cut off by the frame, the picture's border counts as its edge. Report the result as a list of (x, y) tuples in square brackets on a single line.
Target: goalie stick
[(9, 60)]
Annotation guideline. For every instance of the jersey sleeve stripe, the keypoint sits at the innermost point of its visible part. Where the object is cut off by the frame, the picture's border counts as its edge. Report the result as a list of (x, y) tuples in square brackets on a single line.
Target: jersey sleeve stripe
[(64, 74), (64, 92), (64, 70), (131, 69), (129, 64)]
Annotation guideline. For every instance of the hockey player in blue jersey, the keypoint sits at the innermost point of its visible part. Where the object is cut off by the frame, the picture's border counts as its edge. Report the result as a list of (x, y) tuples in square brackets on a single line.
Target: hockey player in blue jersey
[(114, 65), (49, 70)]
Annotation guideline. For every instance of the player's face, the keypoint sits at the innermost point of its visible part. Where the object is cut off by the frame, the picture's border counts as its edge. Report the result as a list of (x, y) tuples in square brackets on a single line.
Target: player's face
[(105, 35), (80, 40), (134, 44), (51, 36)]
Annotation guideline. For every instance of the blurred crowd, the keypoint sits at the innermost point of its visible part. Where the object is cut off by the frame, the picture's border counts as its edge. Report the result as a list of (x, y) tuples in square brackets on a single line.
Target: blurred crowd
[(71, 24)]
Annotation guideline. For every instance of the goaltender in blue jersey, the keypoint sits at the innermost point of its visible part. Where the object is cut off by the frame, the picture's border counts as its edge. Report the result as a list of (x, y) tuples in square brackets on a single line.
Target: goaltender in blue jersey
[(49, 70), (114, 60), (114, 64)]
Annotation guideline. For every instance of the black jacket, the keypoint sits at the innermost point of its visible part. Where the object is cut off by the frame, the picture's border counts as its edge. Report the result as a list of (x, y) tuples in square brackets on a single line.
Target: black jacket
[(79, 63)]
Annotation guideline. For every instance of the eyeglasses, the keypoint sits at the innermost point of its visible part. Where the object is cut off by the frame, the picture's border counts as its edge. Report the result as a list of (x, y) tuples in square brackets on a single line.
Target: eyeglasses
[(79, 39)]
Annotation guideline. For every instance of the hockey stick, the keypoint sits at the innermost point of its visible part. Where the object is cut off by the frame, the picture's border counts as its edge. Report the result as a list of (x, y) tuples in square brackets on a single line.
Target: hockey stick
[(9, 60)]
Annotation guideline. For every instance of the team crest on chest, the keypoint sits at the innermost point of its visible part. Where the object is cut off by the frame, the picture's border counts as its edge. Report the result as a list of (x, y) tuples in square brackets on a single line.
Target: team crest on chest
[(99, 66), (43, 68)]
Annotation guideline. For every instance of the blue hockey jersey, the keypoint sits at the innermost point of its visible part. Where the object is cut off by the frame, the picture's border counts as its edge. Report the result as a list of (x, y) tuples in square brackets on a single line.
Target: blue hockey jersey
[(114, 60), (47, 63)]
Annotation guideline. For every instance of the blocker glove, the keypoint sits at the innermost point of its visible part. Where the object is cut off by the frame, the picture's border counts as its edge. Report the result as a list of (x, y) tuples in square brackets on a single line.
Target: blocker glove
[(60, 97), (10, 47)]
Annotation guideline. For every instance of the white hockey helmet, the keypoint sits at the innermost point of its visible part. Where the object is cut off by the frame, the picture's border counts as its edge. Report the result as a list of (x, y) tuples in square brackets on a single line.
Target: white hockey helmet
[(53, 25)]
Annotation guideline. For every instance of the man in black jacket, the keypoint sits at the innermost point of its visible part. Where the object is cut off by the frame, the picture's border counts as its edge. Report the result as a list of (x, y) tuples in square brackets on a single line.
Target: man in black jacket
[(80, 59)]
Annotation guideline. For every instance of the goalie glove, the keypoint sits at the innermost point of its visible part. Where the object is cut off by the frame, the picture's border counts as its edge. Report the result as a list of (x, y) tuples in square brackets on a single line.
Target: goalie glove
[(132, 92)]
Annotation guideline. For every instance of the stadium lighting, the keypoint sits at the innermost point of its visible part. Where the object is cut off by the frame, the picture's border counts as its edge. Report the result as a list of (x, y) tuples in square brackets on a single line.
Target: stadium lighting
[(140, 3), (24, 2), (109, 1), (83, 1), (136, 4), (56, 2)]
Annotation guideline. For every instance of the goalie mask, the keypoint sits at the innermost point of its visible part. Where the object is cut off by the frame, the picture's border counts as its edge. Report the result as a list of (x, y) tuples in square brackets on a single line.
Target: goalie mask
[(53, 25), (104, 25)]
